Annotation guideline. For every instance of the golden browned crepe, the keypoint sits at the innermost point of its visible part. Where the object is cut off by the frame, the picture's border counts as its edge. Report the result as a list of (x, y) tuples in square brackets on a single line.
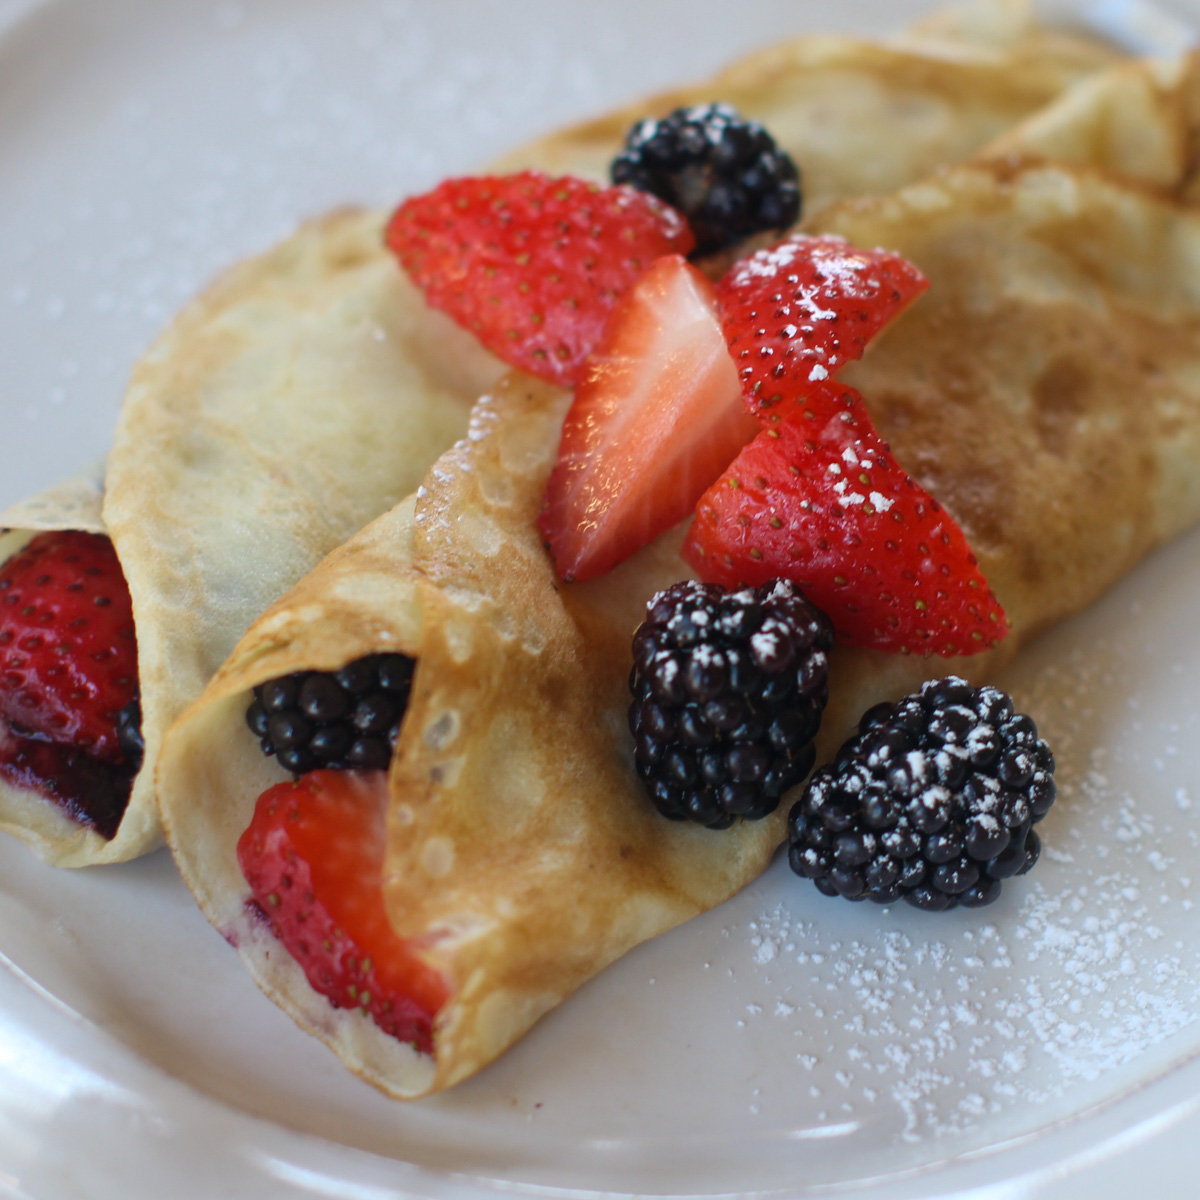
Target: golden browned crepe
[(1062, 311), (1139, 120), (304, 393), (308, 390), (859, 116), (1045, 389), (866, 116), (515, 733)]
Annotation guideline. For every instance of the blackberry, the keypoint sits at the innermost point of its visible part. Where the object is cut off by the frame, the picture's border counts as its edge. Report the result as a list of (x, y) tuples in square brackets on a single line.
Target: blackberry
[(932, 802), (728, 691), (341, 719), (725, 174)]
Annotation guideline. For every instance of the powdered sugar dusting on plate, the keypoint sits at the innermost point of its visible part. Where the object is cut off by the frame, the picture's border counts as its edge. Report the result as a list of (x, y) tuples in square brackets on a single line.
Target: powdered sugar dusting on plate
[(974, 1026)]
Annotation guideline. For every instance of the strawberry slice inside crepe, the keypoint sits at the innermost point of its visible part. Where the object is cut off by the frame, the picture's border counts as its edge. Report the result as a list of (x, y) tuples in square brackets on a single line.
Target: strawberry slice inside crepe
[(313, 857)]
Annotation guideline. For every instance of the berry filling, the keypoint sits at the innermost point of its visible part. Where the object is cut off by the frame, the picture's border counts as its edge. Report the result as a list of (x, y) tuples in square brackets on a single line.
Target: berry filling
[(88, 790), (69, 715), (933, 802), (313, 856), (347, 719)]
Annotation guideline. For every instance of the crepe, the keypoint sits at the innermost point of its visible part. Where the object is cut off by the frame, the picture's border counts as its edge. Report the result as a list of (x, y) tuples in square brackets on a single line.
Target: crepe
[(303, 394), (864, 117), (1138, 120), (233, 472), (515, 733), (74, 504), (1045, 390)]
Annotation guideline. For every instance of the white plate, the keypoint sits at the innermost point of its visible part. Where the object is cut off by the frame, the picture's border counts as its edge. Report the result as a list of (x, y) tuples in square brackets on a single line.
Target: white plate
[(782, 1043)]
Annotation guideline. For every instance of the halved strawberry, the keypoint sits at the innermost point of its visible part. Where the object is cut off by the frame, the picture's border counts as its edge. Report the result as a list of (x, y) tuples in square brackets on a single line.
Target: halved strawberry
[(655, 419), (313, 857), (68, 652), (532, 265), (797, 311), (819, 499)]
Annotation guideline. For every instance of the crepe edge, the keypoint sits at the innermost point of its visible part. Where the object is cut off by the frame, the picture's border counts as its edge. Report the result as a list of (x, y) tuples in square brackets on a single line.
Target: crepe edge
[(55, 838)]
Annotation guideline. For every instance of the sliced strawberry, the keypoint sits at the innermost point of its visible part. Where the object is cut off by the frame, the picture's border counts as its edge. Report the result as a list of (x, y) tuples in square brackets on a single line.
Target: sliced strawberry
[(820, 500), (817, 497), (532, 265), (655, 419), (68, 652), (313, 857), (796, 312)]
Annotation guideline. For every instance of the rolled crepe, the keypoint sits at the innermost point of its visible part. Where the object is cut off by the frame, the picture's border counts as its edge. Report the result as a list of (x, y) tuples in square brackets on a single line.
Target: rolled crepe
[(304, 393), (1138, 120), (73, 504), (1044, 389), (308, 390), (861, 116)]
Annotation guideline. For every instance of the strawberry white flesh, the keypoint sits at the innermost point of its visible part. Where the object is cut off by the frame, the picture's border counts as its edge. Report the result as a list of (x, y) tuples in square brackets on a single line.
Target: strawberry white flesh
[(657, 417)]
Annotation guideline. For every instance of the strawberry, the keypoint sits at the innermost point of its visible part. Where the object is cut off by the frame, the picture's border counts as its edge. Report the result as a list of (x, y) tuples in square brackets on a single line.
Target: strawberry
[(68, 652), (313, 857), (532, 265), (796, 312), (655, 419), (817, 498)]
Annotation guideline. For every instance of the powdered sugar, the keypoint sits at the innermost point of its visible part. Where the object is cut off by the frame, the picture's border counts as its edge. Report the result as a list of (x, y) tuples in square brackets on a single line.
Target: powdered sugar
[(971, 1027)]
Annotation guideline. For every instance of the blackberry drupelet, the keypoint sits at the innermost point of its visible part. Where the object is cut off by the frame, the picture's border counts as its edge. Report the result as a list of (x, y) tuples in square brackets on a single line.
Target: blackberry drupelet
[(728, 691), (725, 174), (347, 719), (129, 733), (933, 802)]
